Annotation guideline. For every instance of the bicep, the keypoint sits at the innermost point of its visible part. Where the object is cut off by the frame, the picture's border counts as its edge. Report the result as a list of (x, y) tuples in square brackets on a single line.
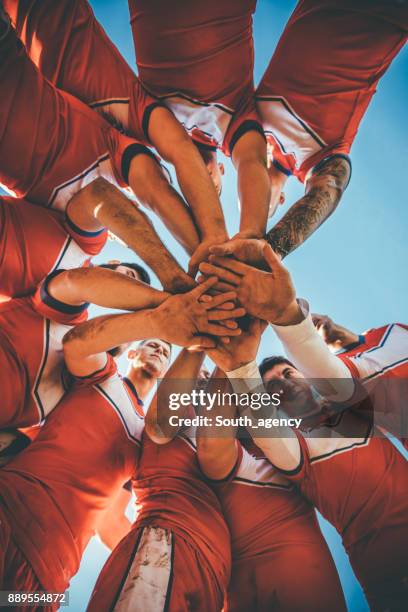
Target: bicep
[(250, 148), (217, 456)]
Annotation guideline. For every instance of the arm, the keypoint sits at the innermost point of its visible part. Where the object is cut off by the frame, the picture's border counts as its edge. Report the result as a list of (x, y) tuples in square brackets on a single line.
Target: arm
[(182, 321), (101, 204), (113, 525), (153, 190), (323, 192), (249, 157), (175, 146), (217, 448), (105, 288), (186, 369)]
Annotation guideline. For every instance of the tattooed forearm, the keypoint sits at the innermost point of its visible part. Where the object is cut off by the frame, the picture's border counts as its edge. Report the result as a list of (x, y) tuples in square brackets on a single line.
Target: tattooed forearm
[(323, 192)]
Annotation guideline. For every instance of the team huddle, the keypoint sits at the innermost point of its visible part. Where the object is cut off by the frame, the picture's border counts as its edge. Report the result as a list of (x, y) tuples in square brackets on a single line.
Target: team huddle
[(224, 522)]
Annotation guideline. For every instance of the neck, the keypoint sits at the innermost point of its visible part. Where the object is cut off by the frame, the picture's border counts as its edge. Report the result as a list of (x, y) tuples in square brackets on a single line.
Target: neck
[(142, 381)]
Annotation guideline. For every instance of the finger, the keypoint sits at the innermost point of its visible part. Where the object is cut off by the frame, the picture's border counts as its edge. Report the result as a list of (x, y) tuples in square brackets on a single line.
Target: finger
[(193, 265), (222, 273), (204, 287), (218, 330), (201, 343), (271, 258), (222, 249), (237, 267), (230, 296), (223, 315)]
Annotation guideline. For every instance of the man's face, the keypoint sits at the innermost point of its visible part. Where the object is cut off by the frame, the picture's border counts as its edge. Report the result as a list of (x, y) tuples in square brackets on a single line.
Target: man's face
[(297, 398), (277, 180), (153, 356), (128, 272)]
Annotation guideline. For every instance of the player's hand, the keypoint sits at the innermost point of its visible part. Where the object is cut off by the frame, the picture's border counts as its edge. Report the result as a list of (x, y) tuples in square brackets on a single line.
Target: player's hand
[(247, 250), (267, 295), (202, 252), (240, 350), (326, 327), (196, 319)]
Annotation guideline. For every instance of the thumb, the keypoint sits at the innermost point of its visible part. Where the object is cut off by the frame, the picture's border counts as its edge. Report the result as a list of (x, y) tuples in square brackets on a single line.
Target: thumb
[(271, 258), (201, 343)]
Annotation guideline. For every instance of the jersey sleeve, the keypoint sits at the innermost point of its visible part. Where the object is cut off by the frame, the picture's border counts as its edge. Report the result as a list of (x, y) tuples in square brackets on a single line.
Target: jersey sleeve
[(90, 242), (142, 104), (122, 151), (51, 308), (99, 376), (245, 119)]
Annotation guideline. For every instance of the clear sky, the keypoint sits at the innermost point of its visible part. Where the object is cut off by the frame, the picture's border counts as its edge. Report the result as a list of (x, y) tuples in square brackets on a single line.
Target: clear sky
[(354, 268)]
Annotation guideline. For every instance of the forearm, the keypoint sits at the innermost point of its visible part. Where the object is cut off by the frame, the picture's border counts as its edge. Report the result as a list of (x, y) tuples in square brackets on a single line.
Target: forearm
[(154, 191), (323, 192), (105, 288), (217, 447), (311, 356), (301, 221), (180, 378), (254, 195)]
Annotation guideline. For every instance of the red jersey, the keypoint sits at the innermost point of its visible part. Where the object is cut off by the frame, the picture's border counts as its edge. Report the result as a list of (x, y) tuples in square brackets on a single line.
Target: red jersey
[(173, 494), (55, 145), (198, 58), (359, 484), (322, 76), (35, 242), (380, 360), (272, 528), (56, 490), (72, 50), (31, 356)]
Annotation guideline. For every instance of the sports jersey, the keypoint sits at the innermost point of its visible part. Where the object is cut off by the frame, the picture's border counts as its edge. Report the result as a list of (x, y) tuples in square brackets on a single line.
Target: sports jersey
[(54, 492), (35, 242), (274, 531), (72, 50), (31, 356), (380, 360), (359, 484), (53, 145), (322, 76), (198, 58)]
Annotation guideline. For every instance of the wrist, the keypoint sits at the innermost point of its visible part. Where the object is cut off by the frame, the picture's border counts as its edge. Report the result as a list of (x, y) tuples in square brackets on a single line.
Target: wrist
[(291, 315)]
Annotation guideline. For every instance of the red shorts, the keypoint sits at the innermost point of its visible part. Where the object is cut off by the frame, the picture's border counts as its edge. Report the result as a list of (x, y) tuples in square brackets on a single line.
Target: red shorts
[(294, 575), (16, 574), (153, 568), (380, 562)]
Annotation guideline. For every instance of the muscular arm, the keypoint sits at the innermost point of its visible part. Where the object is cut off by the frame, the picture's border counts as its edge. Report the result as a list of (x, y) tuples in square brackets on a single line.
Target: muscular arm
[(104, 288), (323, 192), (153, 190), (217, 447), (113, 525), (183, 371), (101, 204), (175, 146), (249, 157)]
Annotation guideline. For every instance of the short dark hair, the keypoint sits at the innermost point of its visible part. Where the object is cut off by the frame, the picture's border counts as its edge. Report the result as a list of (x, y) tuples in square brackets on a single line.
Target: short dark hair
[(19, 444), (140, 270), (269, 362)]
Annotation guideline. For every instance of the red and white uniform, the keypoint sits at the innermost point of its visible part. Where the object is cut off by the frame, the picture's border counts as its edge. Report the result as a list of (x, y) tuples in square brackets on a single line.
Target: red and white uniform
[(51, 144), (72, 50), (274, 535), (35, 242), (180, 523), (380, 360), (31, 356), (359, 484), (322, 76), (53, 494), (198, 58)]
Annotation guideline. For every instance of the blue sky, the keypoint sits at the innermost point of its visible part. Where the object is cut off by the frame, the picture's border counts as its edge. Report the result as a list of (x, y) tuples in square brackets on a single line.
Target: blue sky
[(352, 268)]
